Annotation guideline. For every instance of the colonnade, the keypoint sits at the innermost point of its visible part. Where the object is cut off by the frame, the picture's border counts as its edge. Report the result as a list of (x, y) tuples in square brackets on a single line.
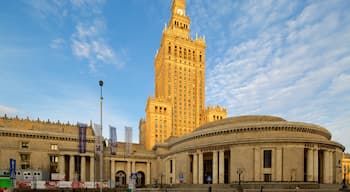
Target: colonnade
[(130, 168), (72, 173), (218, 167), (327, 166)]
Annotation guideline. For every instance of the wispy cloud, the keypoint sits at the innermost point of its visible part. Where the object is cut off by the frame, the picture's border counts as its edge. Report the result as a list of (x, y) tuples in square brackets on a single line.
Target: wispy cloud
[(7, 110), (287, 58), (88, 43), (57, 43), (87, 40)]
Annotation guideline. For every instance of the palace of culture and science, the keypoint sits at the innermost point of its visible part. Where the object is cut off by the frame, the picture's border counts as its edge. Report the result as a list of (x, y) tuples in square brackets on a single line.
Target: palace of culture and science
[(181, 140), (179, 103)]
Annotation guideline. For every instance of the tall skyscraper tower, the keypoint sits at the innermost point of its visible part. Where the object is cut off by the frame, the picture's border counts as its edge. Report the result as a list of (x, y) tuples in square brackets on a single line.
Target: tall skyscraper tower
[(178, 105)]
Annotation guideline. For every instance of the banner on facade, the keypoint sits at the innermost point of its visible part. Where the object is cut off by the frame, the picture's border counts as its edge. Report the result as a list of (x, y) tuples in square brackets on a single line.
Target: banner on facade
[(97, 131), (82, 137), (113, 139), (128, 140)]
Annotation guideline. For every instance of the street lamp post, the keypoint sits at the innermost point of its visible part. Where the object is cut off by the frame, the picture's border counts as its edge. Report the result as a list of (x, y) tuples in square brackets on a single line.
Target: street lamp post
[(101, 137)]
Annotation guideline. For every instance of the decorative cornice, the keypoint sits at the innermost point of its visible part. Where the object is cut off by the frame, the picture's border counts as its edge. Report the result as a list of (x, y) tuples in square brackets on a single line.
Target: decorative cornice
[(230, 128), (40, 135)]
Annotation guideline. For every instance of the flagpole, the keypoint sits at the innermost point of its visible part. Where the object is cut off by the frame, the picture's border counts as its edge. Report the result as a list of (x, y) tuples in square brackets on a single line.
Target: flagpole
[(101, 138)]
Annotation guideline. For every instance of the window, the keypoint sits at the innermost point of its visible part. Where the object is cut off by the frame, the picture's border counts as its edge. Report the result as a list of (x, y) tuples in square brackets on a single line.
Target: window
[(25, 144), (54, 159), (267, 177), (25, 157), (171, 166), (267, 158), (54, 147)]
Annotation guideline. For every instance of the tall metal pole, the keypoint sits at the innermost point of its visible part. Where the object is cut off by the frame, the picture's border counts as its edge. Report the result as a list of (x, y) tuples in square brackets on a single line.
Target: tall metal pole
[(101, 138)]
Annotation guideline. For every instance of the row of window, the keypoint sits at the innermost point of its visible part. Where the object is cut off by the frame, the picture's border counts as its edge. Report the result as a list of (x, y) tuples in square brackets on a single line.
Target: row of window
[(181, 25), (160, 109), (185, 53), (25, 145)]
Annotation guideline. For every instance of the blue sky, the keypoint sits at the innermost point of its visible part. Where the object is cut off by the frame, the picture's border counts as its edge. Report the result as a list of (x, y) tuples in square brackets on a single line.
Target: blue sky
[(283, 58)]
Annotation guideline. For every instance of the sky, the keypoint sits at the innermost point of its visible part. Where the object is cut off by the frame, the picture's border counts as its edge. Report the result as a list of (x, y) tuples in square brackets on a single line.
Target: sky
[(283, 58)]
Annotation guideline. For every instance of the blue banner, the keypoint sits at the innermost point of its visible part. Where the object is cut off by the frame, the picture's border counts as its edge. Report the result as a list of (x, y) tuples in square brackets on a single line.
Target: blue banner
[(82, 137), (12, 168)]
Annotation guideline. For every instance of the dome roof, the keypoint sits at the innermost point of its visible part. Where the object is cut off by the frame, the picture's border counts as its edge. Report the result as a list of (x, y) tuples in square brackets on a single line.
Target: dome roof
[(242, 120)]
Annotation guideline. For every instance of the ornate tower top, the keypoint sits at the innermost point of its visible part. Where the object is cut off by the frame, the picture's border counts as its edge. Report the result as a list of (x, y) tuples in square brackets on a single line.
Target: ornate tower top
[(179, 7), (179, 22)]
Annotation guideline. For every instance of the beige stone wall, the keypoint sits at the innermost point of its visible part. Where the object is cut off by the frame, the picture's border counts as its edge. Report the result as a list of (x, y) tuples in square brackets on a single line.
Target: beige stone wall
[(293, 163), (242, 157)]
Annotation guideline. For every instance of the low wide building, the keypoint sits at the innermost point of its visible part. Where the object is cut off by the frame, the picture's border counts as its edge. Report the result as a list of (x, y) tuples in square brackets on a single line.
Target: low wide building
[(244, 148)]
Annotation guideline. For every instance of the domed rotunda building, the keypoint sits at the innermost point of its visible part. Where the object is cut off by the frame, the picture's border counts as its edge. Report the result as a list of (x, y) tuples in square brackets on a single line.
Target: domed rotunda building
[(252, 149)]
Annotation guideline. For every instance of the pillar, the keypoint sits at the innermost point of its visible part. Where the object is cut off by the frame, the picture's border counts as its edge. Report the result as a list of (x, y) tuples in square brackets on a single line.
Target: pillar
[(331, 167), (61, 166), (215, 167), (315, 165), (71, 167), (195, 168), (232, 165), (326, 170), (128, 172), (222, 167), (310, 165), (92, 168), (257, 163), (133, 167), (148, 173), (279, 166), (200, 168), (112, 171), (173, 175), (82, 169)]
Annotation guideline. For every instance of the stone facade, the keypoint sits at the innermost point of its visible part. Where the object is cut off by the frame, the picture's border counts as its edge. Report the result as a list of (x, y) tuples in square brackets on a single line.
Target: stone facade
[(179, 82), (262, 148), (49, 147), (346, 168)]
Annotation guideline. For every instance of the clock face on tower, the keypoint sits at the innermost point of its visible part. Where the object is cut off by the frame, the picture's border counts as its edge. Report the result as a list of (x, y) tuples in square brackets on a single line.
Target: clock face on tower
[(180, 11)]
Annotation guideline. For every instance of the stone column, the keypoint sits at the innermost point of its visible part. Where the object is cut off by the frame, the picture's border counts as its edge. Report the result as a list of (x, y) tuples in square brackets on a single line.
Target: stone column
[(128, 171), (326, 170), (215, 167), (71, 168), (92, 168), (222, 167), (232, 166), (148, 173), (195, 169), (315, 165), (279, 166), (174, 172), (82, 168), (61, 166), (200, 168), (257, 163), (133, 167), (331, 167), (112, 171), (310, 165)]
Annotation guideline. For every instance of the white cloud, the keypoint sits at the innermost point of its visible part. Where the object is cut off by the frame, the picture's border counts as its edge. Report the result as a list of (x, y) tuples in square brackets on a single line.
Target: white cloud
[(340, 84), (291, 61), (57, 43), (81, 49), (7, 110), (88, 43)]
